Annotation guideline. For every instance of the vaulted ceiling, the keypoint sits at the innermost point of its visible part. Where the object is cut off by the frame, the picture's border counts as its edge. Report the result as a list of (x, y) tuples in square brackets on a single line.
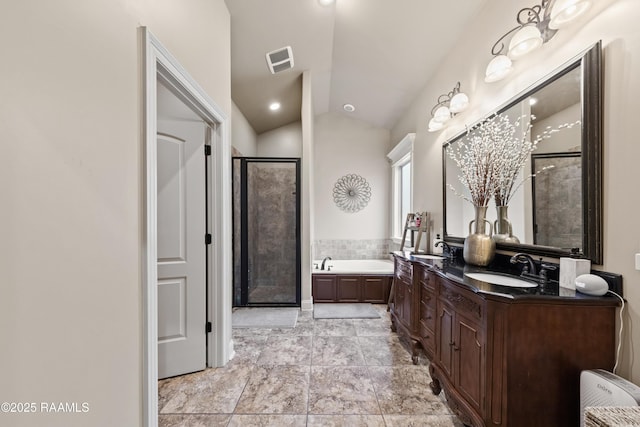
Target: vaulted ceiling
[(373, 54)]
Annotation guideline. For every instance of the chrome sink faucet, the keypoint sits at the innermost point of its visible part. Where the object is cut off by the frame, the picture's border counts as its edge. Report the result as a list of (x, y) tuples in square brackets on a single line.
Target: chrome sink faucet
[(323, 261)]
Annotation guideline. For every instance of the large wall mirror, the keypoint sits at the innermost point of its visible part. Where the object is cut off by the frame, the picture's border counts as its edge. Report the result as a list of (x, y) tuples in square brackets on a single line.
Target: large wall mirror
[(560, 209)]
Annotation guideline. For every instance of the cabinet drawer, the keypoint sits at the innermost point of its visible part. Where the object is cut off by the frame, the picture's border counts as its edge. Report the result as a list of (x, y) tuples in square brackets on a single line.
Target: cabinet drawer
[(425, 277), (428, 340), (403, 269), (428, 311), (463, 301)]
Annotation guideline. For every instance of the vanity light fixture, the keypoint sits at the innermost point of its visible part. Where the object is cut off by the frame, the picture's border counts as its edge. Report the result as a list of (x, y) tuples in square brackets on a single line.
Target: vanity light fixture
[(448, 105), (536, 26)]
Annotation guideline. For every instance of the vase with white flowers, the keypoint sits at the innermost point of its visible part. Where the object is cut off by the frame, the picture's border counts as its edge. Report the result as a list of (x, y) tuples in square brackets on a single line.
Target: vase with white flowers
[(513, 150), (491, 159), (475, 157)]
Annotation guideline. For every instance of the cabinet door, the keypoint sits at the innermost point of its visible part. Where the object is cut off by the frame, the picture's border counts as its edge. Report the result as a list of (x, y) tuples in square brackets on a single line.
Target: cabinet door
[(375, 289), (444, 350), (348, 289), (398, 297), (324, 287), (406, 305), (427, 320), (468, 359)]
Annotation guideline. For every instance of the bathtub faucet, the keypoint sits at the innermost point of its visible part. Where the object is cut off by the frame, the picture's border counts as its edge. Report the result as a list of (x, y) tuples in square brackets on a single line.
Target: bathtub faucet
[(323, 261)]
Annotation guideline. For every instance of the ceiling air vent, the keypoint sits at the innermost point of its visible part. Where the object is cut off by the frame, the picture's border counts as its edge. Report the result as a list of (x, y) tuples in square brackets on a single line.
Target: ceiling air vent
[(280, 59)]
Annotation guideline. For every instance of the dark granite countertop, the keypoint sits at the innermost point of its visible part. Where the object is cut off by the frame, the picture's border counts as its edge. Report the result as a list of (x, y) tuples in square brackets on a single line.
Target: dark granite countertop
[(455, 271)]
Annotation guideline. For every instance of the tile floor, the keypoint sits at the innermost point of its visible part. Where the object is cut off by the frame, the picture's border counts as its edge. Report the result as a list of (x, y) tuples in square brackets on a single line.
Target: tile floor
[(347, 372)]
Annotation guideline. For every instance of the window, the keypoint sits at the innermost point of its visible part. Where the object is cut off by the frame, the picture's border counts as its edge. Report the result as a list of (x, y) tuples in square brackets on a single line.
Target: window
[(404, 195), (400, 158)]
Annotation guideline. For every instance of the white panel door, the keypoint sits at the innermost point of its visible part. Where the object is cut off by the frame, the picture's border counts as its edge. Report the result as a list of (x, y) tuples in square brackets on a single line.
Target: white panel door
[(181, 248)]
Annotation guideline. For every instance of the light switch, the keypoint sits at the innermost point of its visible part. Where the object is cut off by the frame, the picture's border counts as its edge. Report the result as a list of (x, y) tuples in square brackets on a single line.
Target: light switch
[(637, 261)]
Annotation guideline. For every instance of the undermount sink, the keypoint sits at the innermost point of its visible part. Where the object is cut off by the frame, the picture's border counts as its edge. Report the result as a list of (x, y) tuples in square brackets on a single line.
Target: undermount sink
[(428, 256), (499, 279)]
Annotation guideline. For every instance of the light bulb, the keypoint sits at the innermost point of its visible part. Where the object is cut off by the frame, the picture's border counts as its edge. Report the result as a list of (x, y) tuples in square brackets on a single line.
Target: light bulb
[(498, 68), (459, 102), (442, 114), (525, 40), (435, 125), (565, 11)]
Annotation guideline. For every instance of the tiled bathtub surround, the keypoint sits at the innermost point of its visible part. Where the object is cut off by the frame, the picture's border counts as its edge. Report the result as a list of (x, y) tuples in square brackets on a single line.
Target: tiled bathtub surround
[(346, 372), (351, 249)]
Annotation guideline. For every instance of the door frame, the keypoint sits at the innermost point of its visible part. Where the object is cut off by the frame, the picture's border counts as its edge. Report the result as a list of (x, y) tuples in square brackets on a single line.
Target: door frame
[(157, 62)]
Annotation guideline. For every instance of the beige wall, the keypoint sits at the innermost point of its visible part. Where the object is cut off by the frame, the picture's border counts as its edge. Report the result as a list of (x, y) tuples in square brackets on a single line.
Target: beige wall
[(615, 23), (348, 146), (285, 141), (243, 137), (71, 218)]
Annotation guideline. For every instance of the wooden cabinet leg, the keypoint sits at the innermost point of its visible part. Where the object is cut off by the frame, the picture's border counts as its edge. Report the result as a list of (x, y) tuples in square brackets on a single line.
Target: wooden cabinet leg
[(436, 388), (415, 351)]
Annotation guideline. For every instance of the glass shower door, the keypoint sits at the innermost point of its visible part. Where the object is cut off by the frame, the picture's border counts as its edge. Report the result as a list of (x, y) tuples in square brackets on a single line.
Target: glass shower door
[(269, 232)]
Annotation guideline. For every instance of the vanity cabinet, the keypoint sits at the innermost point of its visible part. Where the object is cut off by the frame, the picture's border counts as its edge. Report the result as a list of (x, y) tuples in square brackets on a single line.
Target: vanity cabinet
[(517, 362), (503, 360)]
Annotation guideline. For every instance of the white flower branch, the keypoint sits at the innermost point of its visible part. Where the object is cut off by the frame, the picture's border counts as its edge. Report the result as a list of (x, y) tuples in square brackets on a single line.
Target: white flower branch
[(491, 157)]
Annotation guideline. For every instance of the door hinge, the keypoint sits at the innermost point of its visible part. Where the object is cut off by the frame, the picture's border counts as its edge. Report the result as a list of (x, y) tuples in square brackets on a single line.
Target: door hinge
[(207, 239), (209, 327), (207, 150)]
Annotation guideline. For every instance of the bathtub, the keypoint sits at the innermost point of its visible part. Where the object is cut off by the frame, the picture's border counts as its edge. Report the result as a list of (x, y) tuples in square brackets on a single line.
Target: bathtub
[(354, 266), (366, 280)]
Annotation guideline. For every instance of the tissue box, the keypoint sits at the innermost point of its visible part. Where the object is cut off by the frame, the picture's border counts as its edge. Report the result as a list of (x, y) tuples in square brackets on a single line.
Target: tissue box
[(570, 268)]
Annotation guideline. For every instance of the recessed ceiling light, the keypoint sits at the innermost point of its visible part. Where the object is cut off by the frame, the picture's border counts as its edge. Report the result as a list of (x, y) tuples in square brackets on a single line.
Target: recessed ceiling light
[(326, 2), (349, 108), (533, 101), (275, 106)]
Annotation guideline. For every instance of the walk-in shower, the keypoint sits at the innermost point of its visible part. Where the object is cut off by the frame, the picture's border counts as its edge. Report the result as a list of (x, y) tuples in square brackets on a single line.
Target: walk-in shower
[(266, 231)]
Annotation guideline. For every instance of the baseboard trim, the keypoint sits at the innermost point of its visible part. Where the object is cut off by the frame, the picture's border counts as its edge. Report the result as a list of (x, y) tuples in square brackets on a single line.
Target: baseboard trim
[(307, 305)]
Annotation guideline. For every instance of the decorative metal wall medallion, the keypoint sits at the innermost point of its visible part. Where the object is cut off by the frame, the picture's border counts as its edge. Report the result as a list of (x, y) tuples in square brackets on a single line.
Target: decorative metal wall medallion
[(351, 193)]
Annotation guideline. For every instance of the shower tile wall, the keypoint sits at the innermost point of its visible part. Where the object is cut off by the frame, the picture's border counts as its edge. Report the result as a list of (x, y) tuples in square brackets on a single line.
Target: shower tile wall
[(558, 206), (272, 192), (351, 248)]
